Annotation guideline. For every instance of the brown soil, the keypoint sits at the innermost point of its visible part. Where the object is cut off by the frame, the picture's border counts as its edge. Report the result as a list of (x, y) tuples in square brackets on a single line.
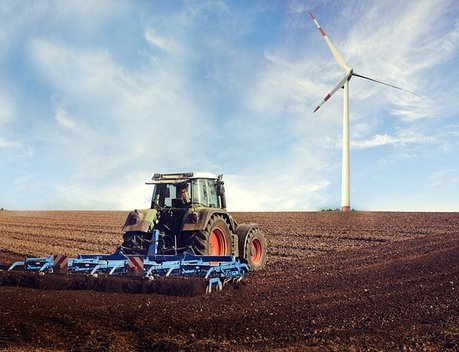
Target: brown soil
[(334, 281)]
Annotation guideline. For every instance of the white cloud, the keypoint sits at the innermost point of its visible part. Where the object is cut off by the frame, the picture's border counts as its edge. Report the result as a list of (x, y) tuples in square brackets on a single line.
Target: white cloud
[(445, 180), (6, 109), (63, 119), (25, 185), (379, 140), (450, 41), (127, 192), (5, 143), (160, 42), (7, 115), (282, 87), (287, 187), (317, 186)]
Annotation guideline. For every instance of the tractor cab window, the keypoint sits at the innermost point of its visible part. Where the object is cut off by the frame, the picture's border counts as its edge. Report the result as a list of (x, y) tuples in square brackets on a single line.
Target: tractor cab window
[(204, 193), (201, 192), (171, 195)]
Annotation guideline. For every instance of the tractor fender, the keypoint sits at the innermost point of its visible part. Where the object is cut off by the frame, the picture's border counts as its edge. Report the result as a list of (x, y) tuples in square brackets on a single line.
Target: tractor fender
[(198, 220), (142, 220)]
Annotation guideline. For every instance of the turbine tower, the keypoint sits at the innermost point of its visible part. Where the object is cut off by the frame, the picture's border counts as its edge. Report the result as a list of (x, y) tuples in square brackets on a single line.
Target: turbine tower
[(344, 83)]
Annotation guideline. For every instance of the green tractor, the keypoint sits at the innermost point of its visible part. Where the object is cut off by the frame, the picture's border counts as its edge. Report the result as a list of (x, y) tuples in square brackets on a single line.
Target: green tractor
[(189, 212)]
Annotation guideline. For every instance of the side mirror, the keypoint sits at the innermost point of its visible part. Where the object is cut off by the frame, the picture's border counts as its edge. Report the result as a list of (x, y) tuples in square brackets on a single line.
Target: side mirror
[(220, 187), (221, 191)]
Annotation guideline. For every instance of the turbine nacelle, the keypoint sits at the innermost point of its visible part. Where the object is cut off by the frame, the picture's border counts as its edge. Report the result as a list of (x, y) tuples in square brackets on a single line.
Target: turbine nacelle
[(350, 73)]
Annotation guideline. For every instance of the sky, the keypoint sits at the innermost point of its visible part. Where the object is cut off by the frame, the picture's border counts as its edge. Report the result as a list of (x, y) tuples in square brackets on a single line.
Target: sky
[(96, 96)]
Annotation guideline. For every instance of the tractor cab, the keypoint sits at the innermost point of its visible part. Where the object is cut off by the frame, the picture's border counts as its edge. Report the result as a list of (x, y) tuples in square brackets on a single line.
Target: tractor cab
[(187, 190)]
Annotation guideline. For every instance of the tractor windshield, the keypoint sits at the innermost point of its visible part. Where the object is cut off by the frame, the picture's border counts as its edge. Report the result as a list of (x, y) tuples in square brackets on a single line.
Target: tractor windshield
[(198, 192), (175, 195)]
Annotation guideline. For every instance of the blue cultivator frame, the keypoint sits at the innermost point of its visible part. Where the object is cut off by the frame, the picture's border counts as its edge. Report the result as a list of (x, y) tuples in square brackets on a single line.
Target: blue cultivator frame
[(216, 270)]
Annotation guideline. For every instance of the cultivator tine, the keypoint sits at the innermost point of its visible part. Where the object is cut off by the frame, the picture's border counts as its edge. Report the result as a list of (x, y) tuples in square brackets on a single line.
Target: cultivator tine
[(115, 267), (40, 265), (44, 266), (15, 264), (214, 282), (169, 272), (154, 267), (94, 271)]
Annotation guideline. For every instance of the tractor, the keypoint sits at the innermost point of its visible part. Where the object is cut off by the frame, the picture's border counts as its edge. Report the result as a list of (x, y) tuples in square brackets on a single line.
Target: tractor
[(188, 212), (185, 232)]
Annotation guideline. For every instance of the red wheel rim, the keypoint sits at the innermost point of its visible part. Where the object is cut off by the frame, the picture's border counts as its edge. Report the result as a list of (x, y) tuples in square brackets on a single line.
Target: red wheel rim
[(217, 245), (256, 251)]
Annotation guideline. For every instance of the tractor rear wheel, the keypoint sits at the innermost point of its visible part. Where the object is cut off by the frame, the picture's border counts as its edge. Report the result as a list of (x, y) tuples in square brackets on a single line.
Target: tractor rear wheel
[(214, 240), (252, 246)]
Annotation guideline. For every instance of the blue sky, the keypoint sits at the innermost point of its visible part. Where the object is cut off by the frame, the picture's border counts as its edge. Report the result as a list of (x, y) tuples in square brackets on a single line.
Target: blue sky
[(96, 96)]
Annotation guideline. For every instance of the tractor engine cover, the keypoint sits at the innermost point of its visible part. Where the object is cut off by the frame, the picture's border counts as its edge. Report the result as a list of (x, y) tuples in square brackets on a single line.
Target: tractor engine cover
[(140, 220), (138, 228)]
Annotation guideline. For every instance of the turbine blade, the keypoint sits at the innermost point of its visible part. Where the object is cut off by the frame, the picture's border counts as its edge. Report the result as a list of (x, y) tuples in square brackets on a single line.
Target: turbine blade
[(339, 59), (340, 84), (386, 84)]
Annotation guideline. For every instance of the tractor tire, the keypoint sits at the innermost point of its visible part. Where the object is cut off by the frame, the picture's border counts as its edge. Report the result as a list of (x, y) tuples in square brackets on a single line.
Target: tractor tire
[(252, 246), (214, 240)]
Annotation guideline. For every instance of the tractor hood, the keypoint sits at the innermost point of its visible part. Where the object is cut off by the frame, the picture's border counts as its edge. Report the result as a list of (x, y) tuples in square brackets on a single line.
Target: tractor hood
[(142, 220)]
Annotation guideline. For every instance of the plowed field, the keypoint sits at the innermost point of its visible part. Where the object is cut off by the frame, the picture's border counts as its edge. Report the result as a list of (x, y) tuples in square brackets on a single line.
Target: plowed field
[(339, 282)]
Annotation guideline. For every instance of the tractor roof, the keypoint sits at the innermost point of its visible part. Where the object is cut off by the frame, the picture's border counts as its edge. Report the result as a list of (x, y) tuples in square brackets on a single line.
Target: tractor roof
[(180, 177)]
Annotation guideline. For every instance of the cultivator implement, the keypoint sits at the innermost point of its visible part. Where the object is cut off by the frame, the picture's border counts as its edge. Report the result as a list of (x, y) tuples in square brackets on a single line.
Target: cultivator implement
[(215, 270)]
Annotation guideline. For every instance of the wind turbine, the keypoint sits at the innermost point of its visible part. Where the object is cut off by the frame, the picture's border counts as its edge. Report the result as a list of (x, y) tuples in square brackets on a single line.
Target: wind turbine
[(344, 83)]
